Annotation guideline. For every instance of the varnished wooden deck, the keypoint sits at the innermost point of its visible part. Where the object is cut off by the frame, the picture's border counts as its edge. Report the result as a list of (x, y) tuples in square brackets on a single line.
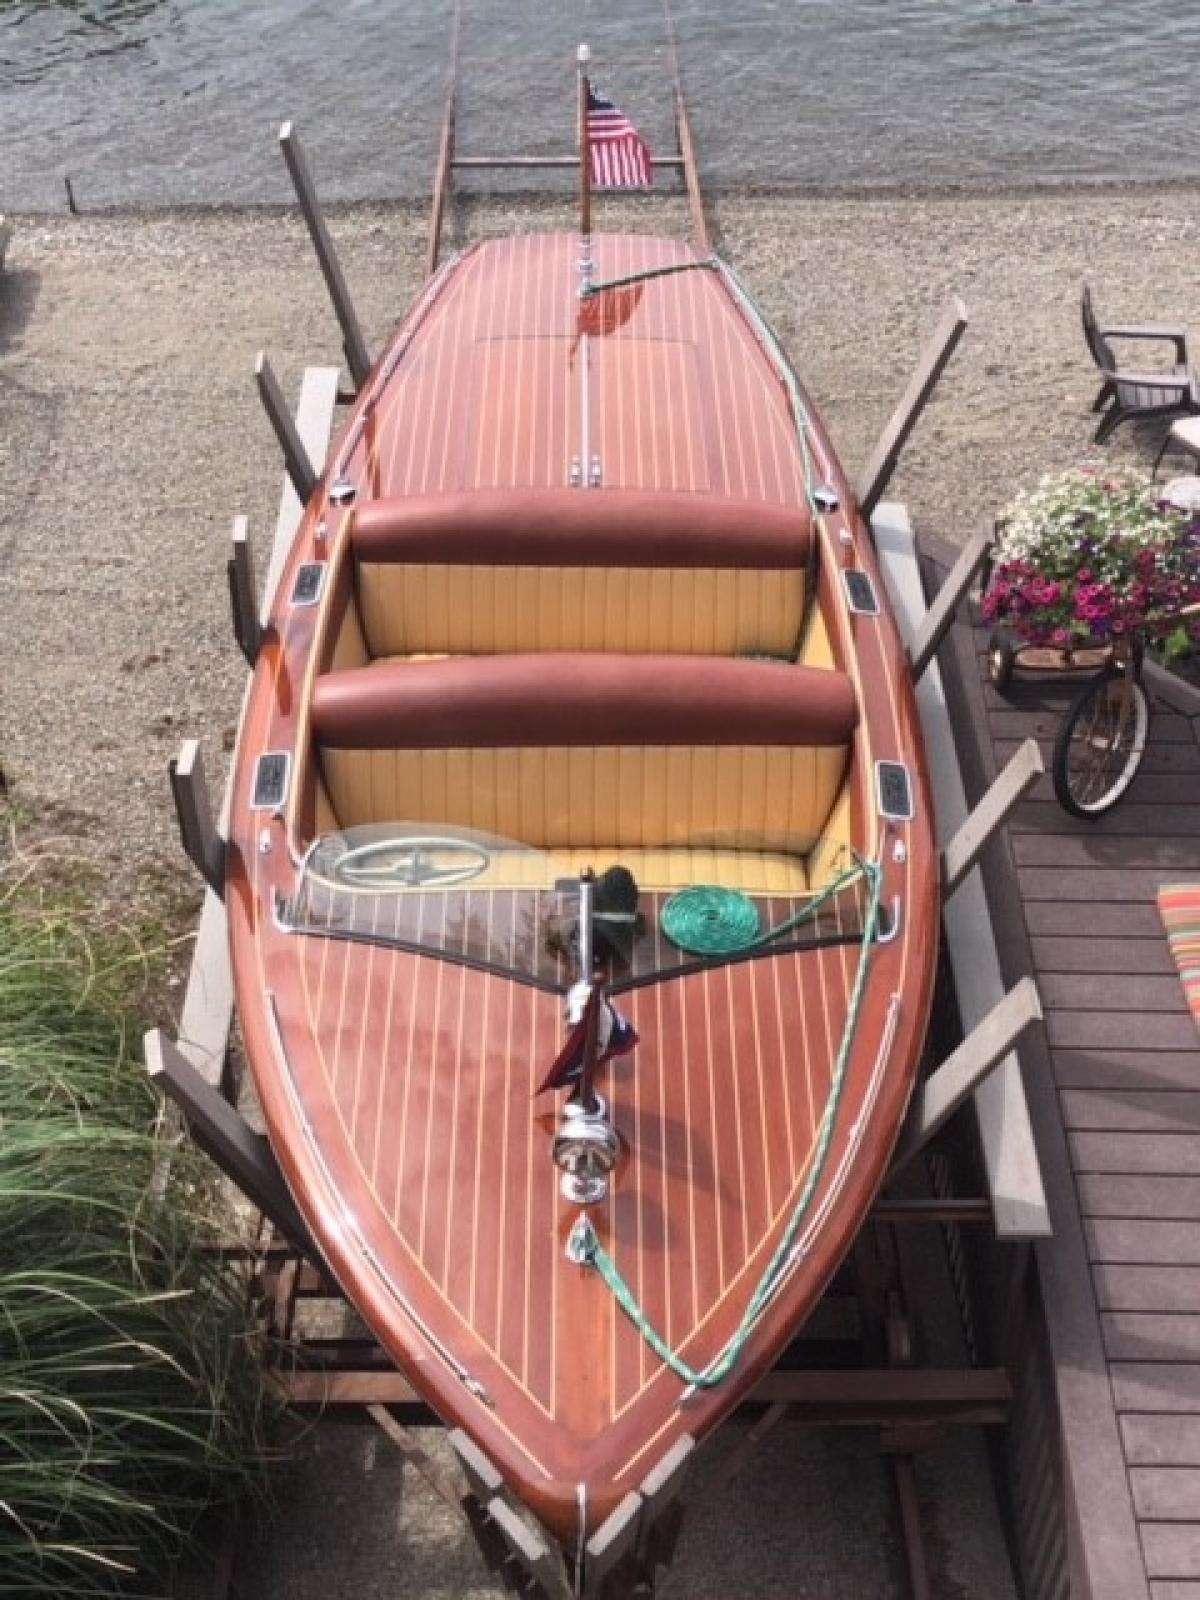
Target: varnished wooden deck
[(465, 1284), (1115, 1093)]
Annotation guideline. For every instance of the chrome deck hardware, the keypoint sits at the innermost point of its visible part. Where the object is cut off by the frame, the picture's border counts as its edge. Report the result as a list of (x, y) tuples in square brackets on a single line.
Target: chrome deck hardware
[(585, 1151)]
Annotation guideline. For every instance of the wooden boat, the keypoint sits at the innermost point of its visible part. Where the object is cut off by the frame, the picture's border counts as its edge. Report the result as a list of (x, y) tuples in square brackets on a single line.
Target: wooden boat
[(583, 585)]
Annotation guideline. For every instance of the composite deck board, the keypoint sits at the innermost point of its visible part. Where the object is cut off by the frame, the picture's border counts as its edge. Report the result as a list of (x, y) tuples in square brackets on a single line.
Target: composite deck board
[(1154, 1440), (1141, 819), (1168, 728), (1171, 1387), (1166, 1494), (1172, 1549), (1160, 760), (1173, 1241), (1107, 851), (1126, 1071), (1088, 885), (1106, 991), (1170, 1286), (1151, 1335), (1131, 1110), (1165, 1153), (1124, 1055), (1153, 1196), (1155, 1030), (1121, 956), (1104, 920)]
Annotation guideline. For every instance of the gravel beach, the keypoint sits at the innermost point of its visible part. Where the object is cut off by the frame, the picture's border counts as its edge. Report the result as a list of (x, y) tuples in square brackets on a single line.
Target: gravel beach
[(130, 435)]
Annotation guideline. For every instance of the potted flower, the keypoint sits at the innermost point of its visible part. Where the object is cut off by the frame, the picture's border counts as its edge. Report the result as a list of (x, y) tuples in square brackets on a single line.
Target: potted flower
[(1089, 558)]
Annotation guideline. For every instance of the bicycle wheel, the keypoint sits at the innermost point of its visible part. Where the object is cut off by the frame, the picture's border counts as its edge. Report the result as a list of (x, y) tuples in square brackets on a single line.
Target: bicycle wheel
[(1001, 659), (1100, 744)]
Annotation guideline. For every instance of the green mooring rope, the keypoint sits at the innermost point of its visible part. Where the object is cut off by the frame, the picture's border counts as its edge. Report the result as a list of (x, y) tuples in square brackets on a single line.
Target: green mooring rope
[(588, 1249), (708, 920)]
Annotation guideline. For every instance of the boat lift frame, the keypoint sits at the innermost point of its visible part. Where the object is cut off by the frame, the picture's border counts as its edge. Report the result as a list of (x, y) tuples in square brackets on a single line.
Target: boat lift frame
[(684, 161), (907, 1404)]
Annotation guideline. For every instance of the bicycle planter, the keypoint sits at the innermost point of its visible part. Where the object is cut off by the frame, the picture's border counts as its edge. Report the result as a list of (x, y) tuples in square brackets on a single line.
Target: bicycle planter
[(1102, 736)]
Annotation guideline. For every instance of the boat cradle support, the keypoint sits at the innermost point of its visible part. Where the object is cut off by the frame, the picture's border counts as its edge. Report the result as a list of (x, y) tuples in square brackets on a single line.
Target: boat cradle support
[(944, 608), (202, 843), (358, 358), (935, 357), (243, 593), (296, 459), (195, 1071), (1010, 1159), (994, 1034), (907, 1406), (225, 1135)]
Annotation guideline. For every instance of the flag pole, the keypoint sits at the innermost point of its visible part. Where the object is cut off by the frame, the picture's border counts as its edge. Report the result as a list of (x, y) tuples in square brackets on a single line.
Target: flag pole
[(585, 1093), (582, 56)]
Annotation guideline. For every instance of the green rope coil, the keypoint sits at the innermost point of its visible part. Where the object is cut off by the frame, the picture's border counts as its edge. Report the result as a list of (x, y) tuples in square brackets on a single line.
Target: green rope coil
[(709, 921), (706, 920)]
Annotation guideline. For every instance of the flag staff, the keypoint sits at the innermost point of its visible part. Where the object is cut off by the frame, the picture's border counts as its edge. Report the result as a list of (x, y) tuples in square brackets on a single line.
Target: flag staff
[(586, 1092), (582, 56)]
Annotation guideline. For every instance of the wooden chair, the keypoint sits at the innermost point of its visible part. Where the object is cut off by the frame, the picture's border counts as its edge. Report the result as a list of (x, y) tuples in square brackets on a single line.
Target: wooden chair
[(1128, 393)]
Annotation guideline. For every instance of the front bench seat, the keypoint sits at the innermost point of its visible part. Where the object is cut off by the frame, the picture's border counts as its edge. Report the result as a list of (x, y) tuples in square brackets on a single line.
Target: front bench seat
[(562, 751)]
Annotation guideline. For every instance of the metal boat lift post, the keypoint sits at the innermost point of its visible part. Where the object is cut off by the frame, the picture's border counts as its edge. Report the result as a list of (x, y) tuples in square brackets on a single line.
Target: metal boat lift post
[(450, 161)]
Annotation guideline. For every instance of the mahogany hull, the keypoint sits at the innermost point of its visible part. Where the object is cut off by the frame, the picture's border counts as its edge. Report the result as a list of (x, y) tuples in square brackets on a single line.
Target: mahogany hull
[(398, 1087)]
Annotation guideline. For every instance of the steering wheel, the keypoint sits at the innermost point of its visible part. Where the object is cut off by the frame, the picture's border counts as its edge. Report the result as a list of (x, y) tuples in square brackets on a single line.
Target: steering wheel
[(417, 861)]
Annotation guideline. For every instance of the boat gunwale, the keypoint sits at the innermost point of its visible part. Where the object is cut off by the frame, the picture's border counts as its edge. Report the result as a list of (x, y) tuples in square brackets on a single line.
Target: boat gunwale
[(919, 926)]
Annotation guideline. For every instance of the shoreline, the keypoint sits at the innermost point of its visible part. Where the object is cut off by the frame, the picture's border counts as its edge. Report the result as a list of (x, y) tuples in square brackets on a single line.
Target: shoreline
[(716, 195)]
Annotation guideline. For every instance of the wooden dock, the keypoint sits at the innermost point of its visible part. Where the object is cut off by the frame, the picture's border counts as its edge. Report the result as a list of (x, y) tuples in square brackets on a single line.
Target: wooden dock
[(1114, 1092)]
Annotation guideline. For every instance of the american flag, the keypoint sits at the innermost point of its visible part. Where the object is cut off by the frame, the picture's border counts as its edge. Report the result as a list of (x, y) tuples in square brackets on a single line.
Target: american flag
[(619, 157), (601, 1031)]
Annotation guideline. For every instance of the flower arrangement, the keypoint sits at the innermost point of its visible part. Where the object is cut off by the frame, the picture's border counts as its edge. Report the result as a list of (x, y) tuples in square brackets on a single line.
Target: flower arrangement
[(1096, 555)]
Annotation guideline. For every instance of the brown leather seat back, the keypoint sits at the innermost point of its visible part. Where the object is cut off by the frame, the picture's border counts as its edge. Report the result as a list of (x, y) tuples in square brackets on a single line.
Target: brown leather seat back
[(597, 570), (590, 751)]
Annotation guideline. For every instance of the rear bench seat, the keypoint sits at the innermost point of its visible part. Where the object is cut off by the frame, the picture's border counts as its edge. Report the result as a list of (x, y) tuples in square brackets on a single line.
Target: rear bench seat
[(726, 772), (498, 571)]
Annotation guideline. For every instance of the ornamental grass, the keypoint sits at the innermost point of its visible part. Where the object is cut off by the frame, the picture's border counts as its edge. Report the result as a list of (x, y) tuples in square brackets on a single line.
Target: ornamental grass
[(130, 1393)]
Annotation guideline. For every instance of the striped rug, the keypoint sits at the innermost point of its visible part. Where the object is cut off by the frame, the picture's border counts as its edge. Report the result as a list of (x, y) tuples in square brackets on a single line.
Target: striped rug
[(1179, 908)]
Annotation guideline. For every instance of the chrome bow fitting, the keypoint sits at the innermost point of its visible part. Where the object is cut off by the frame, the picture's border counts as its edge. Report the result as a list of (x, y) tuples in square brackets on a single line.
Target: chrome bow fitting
[(585, 1151)]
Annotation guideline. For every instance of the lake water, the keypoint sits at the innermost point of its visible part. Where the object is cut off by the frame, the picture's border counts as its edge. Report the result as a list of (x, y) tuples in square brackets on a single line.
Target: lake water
[(162, 101)]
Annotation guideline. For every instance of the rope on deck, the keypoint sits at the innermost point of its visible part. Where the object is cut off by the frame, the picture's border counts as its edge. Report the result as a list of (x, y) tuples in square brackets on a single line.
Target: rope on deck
[(709, 920), (586, 1247), (590, 290)]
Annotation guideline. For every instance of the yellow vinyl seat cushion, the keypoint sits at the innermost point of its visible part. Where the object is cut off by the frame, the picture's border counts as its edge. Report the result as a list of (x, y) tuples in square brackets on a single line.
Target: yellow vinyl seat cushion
[(484, 609), (630, 571)]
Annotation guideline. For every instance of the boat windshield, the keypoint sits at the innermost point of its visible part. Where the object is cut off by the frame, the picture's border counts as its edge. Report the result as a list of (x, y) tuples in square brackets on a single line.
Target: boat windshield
[(493, 903)]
